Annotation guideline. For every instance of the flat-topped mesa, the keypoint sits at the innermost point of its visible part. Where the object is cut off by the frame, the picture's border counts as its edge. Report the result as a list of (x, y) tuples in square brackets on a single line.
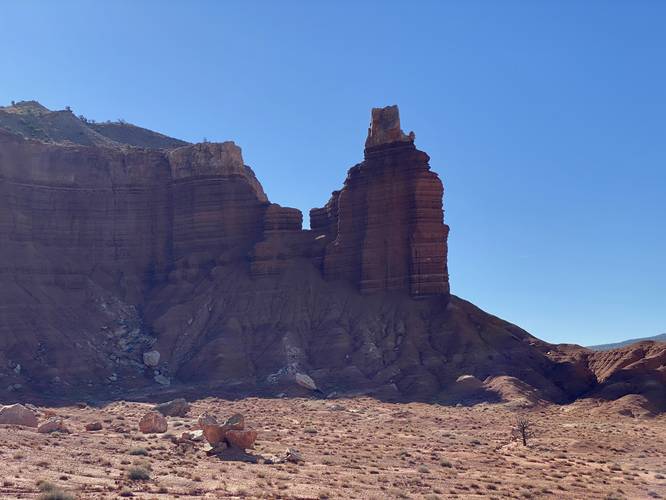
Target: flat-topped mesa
[(385, 128), (212, 159), (386, 227)]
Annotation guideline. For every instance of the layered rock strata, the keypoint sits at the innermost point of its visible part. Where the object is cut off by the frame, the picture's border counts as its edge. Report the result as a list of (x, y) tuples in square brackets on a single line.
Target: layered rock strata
[(386, 224), (111, 252)]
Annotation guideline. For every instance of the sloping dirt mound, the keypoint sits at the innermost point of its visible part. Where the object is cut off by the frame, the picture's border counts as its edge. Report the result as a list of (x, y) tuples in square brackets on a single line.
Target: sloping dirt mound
[(646, 357), (513, 391), (639, 369)]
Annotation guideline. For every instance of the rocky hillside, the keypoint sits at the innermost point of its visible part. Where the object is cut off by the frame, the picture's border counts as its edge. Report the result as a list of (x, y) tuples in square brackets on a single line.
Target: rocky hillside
[(132, 261), (31, 120)]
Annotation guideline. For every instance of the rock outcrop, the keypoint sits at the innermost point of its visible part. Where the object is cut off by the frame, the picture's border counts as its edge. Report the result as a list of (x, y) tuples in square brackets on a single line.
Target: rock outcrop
[(385, 227), (17, 414), (385, 128), (53, 424), (232, 433), (133, 261), (34, 121), (94, 426), (638, 369), (175, 408), (153, 422)]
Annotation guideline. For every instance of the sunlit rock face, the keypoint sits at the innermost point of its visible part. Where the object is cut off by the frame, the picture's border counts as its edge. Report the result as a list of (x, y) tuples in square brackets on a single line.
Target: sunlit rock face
[(386, 224), (218, 204), (385, 128)]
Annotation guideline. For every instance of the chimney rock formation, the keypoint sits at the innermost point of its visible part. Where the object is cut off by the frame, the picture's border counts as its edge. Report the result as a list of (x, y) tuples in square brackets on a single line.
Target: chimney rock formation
[(386, 224)]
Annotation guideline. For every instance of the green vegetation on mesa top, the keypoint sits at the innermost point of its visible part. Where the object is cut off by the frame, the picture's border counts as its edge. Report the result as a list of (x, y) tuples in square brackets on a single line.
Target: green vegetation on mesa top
[(33, 121)]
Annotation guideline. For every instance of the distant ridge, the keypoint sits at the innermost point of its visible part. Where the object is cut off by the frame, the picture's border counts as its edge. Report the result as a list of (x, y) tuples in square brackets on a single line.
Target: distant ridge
[(616, 345)]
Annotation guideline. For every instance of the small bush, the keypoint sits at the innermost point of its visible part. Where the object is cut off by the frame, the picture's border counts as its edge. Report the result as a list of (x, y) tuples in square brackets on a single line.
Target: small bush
[(51, 492), (139, 452), (43, 485), (137, 473), (56, 494)]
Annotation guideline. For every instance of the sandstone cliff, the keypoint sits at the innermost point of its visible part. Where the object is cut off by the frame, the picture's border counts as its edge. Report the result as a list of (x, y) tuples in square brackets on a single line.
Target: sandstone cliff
[(386, 226), (124, 243)]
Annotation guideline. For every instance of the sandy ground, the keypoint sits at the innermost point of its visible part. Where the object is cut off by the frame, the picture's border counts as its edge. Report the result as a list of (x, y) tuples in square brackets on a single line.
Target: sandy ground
[(353, 448)]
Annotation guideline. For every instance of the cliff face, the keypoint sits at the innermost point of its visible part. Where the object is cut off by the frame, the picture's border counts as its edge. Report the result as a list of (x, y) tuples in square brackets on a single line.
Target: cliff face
[(218, 204), (68, 210), (110, 250), (386, 224)]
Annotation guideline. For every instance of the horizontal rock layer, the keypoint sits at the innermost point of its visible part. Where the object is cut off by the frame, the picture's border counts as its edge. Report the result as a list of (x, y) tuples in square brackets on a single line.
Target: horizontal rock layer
[(108, 252), (386, 225)]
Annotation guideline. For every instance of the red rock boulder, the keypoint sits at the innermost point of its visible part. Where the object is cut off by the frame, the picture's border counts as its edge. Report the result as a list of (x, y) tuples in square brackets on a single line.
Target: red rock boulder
[(53, 424), (153, 422), (241, 439), (94, 426)]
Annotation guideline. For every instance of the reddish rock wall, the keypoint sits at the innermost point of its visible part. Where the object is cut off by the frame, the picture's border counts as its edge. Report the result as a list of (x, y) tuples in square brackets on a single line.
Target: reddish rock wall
[(283, 240), (109, 251), (218, 204), (386, 226), (67, 211)]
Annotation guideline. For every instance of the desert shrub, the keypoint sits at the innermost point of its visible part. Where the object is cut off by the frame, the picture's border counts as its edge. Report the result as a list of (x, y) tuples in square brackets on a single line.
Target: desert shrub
[(44, 485), (56, 494), (138, 452), (137, 473), (51, 492)]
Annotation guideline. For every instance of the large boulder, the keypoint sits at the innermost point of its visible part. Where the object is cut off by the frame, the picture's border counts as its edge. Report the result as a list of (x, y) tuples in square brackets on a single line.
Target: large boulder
[(242, 439), (94, 426), (53, 424), (175, 408), (205, 419), (214, 434), (18, 414), (153, 422), (467, 384), (235, 422), (232, 432), (151, 358)]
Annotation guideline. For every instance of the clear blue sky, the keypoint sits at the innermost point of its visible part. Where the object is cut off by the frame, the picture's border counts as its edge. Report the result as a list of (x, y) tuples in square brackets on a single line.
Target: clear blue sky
[(545, 120)]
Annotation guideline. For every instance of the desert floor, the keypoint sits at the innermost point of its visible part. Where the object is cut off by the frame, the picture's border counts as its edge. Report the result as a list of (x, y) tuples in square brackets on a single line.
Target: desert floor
[(352, 448)]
